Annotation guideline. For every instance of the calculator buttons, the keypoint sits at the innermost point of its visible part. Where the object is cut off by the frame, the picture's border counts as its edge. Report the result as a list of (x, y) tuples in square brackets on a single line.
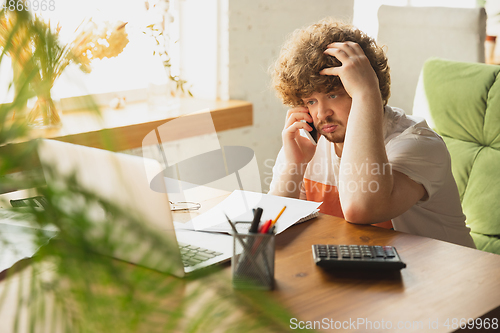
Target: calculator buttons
[(356, 256)]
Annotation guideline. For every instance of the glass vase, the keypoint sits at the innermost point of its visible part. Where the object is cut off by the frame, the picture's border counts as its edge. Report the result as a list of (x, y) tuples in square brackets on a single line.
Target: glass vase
[(44, 114)]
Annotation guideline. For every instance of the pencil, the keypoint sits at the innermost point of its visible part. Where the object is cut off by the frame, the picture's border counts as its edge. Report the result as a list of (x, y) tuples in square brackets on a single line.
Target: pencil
[(277, 217)]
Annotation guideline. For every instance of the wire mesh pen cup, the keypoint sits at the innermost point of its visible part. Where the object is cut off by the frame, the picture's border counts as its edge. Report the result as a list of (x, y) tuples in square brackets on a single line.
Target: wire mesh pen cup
[(253, 261)]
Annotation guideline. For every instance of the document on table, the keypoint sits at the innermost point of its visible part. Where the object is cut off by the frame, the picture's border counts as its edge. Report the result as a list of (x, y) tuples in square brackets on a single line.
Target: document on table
[(238, 207), (18, 239)]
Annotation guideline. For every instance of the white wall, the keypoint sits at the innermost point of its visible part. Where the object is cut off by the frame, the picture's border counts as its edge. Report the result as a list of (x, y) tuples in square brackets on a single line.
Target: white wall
[(256, 29)]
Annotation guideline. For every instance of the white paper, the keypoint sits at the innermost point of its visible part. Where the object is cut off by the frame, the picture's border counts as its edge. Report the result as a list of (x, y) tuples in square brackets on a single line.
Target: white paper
[(18, 239), (238, 207)]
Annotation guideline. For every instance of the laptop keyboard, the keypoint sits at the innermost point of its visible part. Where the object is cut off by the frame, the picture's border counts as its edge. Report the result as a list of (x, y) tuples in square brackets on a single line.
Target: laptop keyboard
[(38, 202), (193, 255)]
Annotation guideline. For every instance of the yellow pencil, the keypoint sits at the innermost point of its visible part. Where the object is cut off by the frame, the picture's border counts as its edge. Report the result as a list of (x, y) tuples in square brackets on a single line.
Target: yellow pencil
[(277, 217)]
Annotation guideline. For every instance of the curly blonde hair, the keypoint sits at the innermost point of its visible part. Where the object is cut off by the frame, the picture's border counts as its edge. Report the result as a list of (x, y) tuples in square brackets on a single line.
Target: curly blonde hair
[(295, 75)]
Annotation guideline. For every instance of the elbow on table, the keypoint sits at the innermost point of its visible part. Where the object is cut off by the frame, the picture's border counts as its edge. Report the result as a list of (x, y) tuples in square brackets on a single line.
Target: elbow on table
[(358, 215)]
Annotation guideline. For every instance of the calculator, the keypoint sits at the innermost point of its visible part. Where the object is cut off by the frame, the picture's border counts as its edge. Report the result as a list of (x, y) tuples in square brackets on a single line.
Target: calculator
[(357, 257)]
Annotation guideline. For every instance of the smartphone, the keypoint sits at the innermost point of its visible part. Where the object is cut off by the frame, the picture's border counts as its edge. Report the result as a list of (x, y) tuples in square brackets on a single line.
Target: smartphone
[(312, 135)]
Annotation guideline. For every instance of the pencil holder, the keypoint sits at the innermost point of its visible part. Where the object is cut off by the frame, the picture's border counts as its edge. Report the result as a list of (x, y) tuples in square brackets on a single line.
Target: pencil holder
[(253, 261)]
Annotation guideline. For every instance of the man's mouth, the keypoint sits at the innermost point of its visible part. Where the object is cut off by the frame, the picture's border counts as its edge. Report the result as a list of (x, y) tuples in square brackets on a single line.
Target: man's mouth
[(328, 128)]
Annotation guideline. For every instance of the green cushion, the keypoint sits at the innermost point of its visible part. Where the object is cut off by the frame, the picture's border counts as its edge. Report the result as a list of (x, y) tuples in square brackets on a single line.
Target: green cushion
[(464, 103), (458, 94), (463, 154), (486, 243), (482, 195)]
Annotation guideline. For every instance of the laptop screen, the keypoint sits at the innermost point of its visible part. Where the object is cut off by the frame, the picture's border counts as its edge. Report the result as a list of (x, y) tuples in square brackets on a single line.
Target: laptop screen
[(145, 234)]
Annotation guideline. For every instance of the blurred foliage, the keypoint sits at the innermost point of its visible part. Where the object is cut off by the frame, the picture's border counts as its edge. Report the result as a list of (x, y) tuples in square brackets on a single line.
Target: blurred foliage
[(70, 286)]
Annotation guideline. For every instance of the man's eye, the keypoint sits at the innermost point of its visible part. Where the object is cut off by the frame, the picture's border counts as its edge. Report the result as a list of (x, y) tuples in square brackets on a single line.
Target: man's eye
[(310, 102), (333, 96)]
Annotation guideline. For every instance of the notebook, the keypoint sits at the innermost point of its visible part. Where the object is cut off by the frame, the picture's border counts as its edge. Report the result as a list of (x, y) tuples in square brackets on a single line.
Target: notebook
[(125, 181), (239, 205)]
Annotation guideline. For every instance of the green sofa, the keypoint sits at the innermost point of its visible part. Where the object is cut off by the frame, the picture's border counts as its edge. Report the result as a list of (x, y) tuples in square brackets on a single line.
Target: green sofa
[(461, 102)]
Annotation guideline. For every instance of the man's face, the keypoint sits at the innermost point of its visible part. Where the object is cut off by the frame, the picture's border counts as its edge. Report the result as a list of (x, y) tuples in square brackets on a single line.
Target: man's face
[(330, 113)]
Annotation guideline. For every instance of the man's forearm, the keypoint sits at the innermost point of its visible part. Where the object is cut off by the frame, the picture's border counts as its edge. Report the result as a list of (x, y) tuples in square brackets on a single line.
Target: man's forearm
[(365, 173), (289, 181)]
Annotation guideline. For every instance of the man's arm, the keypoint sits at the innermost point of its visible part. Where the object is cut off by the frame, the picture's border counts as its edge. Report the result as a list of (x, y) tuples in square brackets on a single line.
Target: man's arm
[(369, 190)]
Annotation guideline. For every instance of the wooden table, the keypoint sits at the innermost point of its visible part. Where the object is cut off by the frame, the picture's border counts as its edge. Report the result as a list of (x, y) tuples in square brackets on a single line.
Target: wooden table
[(442, 284), (442, 281)]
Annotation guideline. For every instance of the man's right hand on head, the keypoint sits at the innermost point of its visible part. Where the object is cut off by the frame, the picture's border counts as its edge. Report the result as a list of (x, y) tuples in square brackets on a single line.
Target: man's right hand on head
[(299, 150)]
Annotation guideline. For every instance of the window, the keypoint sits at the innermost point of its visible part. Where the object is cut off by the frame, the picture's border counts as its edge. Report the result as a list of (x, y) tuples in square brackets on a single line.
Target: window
[(135, 68)]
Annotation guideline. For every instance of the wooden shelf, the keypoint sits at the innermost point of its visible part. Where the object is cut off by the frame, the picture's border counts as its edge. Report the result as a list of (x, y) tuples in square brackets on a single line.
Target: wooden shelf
[(126, 128)]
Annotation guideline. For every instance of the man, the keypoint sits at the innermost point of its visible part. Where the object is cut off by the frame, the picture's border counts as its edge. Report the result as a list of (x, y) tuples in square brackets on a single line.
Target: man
[(372, 163)]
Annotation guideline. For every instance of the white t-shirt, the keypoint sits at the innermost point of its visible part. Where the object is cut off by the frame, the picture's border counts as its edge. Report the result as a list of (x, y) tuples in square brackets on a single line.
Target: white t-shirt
[(413, 149)]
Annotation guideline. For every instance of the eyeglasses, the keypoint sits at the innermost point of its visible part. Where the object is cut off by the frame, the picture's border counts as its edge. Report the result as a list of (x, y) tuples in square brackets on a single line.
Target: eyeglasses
[(184, 205)]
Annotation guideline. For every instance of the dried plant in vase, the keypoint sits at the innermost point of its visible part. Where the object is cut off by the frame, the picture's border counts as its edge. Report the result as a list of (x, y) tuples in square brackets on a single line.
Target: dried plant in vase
[(46, 53), (91, 42)]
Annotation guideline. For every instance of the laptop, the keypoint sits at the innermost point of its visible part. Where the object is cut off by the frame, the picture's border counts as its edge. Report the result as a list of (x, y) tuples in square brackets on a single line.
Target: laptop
[(125, 180)]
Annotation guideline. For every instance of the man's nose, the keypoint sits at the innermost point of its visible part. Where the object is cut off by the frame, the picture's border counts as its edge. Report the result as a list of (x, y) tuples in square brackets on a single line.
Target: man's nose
[(324, 111)]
